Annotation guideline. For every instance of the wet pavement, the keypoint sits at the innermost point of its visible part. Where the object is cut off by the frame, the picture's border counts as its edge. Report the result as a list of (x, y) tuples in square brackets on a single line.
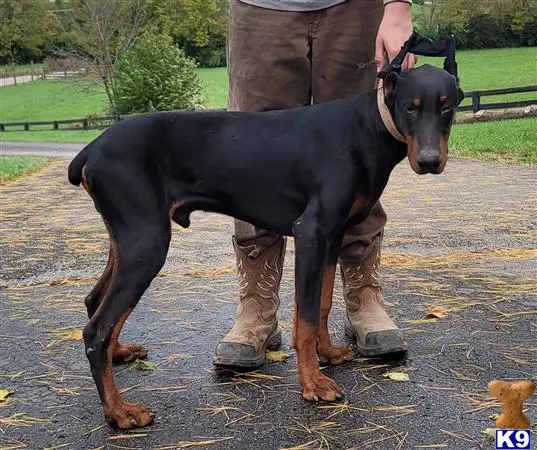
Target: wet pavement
[(464, 242)]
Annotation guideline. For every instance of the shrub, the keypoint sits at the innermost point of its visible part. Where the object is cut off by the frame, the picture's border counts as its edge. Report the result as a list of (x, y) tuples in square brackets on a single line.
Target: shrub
[(155, 76)]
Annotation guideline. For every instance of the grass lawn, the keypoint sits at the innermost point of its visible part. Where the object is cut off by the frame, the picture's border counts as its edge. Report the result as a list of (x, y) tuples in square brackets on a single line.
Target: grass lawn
[(51, 100), (478, 70), (12, 167), (509, 140), (51, 136)]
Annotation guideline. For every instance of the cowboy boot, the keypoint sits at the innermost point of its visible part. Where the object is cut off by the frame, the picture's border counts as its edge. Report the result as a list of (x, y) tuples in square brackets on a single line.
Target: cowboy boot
[(366, 320), (256, 324)]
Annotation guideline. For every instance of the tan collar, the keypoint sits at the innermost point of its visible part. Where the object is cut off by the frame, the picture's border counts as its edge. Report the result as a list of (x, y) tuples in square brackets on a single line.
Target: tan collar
[(385, 114)]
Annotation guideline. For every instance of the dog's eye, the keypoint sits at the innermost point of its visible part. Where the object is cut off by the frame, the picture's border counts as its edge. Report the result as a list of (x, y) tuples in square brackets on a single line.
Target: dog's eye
[(411, 109)]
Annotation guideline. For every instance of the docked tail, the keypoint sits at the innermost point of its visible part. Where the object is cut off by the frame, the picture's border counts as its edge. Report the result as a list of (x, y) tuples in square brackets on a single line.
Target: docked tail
[(74, 172)]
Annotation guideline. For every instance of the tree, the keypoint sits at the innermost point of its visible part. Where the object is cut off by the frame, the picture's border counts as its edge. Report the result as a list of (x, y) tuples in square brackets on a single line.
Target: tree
[(27, 27), (155, 75), (198, 26), (103, 31)]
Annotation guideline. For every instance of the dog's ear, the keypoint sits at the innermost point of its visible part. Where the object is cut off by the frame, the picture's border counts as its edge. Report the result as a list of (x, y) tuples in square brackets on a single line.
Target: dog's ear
[(461, 95), (390, 82)]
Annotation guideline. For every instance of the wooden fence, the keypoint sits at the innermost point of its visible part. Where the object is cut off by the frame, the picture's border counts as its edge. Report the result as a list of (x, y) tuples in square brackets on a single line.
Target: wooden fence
[(95, 123), (477, 95)]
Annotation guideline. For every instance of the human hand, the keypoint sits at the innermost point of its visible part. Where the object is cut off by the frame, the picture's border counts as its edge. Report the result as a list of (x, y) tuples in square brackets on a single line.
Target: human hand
[(395, 28)]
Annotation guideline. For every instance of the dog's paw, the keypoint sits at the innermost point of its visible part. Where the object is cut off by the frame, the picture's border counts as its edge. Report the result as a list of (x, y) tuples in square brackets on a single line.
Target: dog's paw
[(335, 354), (320, 387), (129, 415), (129, 352)]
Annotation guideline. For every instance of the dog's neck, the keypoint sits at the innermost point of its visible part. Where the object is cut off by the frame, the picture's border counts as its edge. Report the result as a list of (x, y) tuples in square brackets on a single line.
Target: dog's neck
[(385, 113)]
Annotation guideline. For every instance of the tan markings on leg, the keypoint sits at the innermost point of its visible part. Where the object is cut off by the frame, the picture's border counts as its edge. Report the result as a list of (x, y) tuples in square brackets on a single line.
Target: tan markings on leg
[(334, 354), (359, 202), (314, 384), (121, 352), (125, 415), (125, 352)]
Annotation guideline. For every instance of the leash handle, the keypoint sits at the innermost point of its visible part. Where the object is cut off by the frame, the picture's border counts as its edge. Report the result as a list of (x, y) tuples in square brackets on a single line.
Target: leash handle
[(426, 47)]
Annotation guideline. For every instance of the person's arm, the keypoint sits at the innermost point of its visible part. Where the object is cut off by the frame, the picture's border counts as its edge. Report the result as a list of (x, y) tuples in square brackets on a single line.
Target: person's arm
[(395, 28)]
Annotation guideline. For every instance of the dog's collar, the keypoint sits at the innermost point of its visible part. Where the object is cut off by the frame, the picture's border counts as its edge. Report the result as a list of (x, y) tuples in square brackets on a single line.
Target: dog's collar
[(385, 114)]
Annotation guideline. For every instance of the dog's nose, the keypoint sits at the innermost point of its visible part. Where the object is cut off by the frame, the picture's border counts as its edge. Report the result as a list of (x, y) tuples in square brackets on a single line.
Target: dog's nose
[(429, 161)]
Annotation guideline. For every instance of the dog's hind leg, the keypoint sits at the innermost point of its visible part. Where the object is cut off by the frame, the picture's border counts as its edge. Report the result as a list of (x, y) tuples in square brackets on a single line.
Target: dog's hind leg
[(333, 354), (94, 298), (140, 257), (140, 233)]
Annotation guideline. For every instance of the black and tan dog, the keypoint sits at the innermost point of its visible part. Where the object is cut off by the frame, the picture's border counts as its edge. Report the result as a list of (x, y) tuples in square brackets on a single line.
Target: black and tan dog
[(309, 172)]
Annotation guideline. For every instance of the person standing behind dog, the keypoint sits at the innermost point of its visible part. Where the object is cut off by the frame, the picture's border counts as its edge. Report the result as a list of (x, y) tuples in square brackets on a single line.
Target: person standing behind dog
[(291, 53)]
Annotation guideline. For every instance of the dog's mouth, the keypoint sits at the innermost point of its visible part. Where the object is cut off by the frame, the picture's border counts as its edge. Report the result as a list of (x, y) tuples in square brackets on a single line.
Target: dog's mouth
[(424, 161)]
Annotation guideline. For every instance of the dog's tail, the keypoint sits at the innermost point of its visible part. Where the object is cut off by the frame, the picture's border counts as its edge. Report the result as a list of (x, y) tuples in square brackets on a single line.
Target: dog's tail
[(74, 172)]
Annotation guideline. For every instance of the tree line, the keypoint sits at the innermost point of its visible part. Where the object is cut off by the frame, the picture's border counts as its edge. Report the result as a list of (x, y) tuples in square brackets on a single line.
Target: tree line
[(37, 29)]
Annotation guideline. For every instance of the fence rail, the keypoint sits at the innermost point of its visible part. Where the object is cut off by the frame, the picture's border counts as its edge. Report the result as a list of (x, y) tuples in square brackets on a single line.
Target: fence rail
[(477, 95), (96, 123)]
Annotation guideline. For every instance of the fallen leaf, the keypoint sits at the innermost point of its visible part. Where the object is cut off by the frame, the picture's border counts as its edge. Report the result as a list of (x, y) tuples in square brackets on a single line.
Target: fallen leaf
[(145, 365), (490, 433), (396, 376), (75, 335), (4, 394), (277, 356), (436, 312)]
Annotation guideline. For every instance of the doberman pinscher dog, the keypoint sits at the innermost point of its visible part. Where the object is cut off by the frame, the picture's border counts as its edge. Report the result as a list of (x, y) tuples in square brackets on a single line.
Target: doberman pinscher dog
[(311, 172)]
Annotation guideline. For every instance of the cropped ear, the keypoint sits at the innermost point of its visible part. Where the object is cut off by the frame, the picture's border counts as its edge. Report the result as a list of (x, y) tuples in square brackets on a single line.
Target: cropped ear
[(461, 95), (390, 82)]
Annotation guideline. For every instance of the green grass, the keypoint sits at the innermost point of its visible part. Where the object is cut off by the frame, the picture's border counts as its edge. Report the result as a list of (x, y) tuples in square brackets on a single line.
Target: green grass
[(510, 140), (13, 167), (478, 70), (494, 69), (51, 100), (51, 136), (214, 82)]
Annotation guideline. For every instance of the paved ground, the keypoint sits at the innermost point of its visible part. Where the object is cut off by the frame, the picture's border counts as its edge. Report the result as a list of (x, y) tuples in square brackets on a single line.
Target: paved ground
[(39, 148), (465, 241)]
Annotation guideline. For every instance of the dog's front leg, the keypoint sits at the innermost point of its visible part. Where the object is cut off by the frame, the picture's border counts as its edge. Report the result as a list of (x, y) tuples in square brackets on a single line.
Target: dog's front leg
[(311, 246), (333, 354)]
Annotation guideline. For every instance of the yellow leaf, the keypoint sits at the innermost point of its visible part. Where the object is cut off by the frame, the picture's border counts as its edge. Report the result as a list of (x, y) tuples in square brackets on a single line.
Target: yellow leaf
[(396, 376), (436, 312), (4, 394), (490, 433), (277, 356), (75, 335)]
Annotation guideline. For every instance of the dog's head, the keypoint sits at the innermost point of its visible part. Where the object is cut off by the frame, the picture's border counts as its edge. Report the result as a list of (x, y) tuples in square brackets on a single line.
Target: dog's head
[(423, 103)]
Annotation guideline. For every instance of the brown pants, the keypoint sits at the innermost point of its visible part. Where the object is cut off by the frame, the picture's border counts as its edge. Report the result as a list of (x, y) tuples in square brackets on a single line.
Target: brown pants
[(281, 59)]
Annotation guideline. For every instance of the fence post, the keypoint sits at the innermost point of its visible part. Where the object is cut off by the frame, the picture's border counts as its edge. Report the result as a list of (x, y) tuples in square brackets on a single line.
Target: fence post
[(476, 102), (14, 74), (32, 70), (26, 126), (2, 127), (65, 73), (55, 125), (85, 123)]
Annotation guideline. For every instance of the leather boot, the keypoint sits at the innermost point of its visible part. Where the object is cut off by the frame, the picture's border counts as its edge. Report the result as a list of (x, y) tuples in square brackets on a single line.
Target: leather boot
[(366, 320), (256, 323)]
